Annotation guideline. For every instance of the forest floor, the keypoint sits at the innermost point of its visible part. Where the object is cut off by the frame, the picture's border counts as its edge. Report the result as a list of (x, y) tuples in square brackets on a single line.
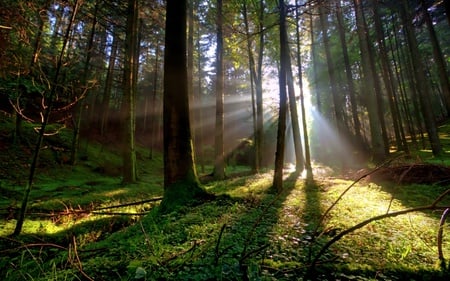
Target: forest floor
[(83, 224)]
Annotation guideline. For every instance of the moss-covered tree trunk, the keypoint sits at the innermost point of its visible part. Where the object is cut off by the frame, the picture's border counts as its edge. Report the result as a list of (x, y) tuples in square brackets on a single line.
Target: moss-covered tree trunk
[(128, 100), (181, 184)]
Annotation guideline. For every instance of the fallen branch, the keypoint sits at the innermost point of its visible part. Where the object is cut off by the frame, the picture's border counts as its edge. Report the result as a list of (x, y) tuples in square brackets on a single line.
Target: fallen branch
[(217, 254), (130, 204), (440, 233), (322, 218), (336, 238)]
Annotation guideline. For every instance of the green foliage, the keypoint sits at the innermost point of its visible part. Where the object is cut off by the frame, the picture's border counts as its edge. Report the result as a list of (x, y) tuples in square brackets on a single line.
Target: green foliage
[(244, 233)]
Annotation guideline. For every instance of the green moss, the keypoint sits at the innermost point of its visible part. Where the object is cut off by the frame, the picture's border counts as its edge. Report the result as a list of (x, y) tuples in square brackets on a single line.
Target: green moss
[(184, 193)]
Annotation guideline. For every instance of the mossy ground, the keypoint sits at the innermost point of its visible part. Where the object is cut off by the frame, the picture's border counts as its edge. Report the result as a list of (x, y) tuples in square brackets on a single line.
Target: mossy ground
[(249, 234)]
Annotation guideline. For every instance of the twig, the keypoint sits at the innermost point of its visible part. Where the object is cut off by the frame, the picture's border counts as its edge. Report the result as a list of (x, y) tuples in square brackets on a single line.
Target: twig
[(440, 233), (403, 174), (79, 265), (376, 218), (119, 213), (322, 218), (217, 255), (131, 204), (26, 246)]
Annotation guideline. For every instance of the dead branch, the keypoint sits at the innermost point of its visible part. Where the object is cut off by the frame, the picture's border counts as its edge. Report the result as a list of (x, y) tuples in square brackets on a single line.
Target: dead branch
[(322, 218), (217, 254), (336, 238), (131, 204), (440, 233), (79, 265)]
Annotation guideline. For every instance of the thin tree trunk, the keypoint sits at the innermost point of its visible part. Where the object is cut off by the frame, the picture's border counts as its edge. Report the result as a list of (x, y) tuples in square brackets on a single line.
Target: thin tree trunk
[(200, 147), (348, 75), (438, 57), (51, 97), (421, 82), (315, 62), (378, 145), (331, 69), (219, 162), (129, 95), (80, 106), (299, 158), (281, 132), (308, 167), (108, 85), (154, 112), (251, 60), (387, 77)]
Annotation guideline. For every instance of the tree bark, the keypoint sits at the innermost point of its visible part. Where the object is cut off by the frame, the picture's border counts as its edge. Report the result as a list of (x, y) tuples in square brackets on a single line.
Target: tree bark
[(51, 97), (281, 132), (181, 184), (348, 76), (388, 78), (378, 146), (129, 95), (308, 167), (108, 85), (438, 57), (421, 82), (219, 161)]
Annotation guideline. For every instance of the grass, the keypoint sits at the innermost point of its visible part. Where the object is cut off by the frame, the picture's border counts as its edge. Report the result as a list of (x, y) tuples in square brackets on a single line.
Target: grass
[(250, 234)]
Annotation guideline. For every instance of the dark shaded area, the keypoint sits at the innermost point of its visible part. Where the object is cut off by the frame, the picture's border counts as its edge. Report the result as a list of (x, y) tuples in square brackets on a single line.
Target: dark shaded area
[(412, 174)]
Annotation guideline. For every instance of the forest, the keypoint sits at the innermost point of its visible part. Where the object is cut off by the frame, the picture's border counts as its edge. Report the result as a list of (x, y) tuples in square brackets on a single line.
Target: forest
[(224, 140)]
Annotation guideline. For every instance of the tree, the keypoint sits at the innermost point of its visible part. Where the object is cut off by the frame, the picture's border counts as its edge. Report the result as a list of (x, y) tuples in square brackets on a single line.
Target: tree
[(420, 79), (348, 76), (129, 94), (308, 167), (388, 79), (219, 161), (438, 57), (181, 184), (282, 111), (44, 123), (378, 145)]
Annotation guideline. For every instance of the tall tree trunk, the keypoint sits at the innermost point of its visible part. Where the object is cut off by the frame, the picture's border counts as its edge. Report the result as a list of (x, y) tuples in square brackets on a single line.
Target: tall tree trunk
[(331, 69), (378, 145), (438, 57), (108, 84), (259, 87), (388, 78), (308, 167), (315, 64), (219, 161), (348, 76), (129, 94), (299, 158), (421, 81), (402, 82), (251, 62), (281, 132), (154, 112), (181, 184), (51, 97), (80, 106)]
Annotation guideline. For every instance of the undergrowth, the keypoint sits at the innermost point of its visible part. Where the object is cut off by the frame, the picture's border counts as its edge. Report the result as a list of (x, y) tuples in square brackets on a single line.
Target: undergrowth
[(81, 226)]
